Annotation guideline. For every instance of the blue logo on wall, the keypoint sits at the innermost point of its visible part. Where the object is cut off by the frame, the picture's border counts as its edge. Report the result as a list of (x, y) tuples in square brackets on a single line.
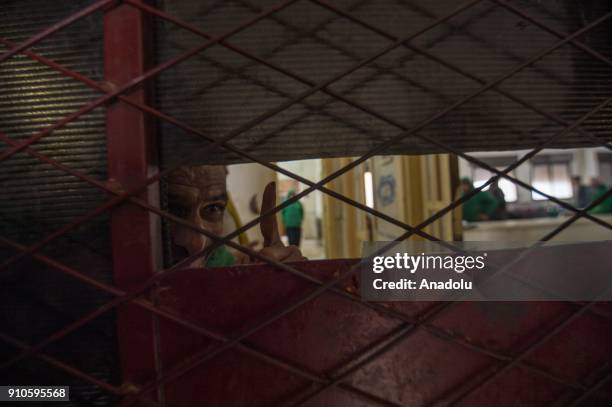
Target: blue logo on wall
[(386, 190)]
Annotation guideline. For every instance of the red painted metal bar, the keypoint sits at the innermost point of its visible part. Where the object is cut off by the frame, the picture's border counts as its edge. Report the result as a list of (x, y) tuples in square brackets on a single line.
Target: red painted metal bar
[(125, 195), (507, 364), (371, 352), (140, 79), (497, 371), (94, 85), (255, 288), (145, 304), (348, 371), (469, 387), (189, 325), (254, 352), (204, 331), (200, 357), (341, 197), (160, 115), (323, 288), (518, 359), (379, 115), (197, 328), (132, 156), (56, 27), (172, 218), (175, 219), (361, 107), (101, 209), (234, 133), (205, 355), (423, 124), (382, 52)]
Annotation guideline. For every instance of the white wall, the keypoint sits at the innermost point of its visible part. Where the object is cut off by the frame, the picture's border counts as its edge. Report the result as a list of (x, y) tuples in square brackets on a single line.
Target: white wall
[(244, 181)]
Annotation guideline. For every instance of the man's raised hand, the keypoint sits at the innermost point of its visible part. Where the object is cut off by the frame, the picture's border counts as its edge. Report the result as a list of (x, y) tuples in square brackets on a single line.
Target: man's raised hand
[(273, 245)]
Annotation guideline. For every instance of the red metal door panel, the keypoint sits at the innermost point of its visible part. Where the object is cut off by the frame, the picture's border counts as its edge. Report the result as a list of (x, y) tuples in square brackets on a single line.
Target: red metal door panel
[(329, 332)]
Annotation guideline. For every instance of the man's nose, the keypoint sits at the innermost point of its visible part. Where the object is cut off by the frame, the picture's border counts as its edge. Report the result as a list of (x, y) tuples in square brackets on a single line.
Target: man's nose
[(197, 241)]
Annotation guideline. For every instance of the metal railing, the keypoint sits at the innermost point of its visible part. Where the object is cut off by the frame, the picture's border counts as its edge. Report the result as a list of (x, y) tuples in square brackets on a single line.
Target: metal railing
[(137, 393)]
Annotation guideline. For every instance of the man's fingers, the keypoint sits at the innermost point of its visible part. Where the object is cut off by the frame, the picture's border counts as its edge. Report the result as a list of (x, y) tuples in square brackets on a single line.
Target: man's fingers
[(268, 225)]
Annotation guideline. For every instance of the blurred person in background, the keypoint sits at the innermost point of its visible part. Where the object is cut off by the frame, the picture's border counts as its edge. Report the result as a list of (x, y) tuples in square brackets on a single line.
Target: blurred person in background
[(500, 211), (292, 216), (581, 192), (480, 206), (598, 190)]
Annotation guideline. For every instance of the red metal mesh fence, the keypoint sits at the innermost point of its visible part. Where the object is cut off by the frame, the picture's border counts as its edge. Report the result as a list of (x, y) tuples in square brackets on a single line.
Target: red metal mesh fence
[(403, 323)]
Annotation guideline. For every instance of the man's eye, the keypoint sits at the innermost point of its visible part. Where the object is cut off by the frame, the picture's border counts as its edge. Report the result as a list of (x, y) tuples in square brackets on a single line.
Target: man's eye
[(212, 211)]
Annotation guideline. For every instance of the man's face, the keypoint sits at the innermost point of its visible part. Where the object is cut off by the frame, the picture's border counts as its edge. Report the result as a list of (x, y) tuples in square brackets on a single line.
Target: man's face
[(197, 194)]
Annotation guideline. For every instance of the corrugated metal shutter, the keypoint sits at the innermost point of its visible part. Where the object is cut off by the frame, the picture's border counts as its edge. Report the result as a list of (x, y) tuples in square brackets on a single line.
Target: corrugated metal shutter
[(219, 90), (36, 199)]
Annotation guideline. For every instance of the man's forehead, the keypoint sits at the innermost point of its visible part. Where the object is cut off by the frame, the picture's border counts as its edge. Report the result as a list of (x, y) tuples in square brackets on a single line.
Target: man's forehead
[(210, 180)]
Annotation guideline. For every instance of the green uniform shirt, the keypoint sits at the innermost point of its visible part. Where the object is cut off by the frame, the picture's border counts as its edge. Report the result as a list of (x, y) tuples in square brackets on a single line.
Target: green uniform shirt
[(292, 215), (481, 203), (220, 257), (606, 205)]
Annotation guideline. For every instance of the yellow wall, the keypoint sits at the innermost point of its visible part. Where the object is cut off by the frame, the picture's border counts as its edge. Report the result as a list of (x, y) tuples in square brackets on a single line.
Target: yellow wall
[(422, 186)]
